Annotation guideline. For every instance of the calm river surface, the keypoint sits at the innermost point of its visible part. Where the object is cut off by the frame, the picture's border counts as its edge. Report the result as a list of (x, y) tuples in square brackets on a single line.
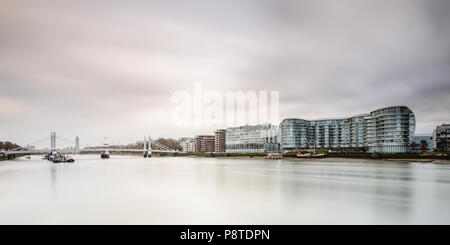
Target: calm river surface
[(135, 190)]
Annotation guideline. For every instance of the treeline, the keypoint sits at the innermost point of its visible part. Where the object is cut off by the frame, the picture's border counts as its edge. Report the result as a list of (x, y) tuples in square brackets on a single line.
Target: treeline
[(6, 145), (171, 143)]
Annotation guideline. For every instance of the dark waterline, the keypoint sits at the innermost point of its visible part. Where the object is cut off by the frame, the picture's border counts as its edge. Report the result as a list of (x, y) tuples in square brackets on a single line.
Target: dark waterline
[(136, 190)]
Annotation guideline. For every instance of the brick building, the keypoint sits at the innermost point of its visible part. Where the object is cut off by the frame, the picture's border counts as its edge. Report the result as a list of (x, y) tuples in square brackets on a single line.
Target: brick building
[(205, 143), (220, 140)]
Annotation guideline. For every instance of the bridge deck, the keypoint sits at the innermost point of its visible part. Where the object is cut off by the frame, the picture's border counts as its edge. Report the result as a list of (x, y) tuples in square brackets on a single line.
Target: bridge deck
[(34, 152)]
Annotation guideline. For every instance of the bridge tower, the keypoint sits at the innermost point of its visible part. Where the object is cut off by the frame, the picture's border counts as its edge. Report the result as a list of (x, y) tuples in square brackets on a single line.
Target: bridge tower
[(149, 152), (53, 140), (145, 147)]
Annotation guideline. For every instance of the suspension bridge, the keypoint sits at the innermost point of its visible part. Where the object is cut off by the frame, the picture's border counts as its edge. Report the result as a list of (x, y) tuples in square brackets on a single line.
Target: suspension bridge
[(147, 147)]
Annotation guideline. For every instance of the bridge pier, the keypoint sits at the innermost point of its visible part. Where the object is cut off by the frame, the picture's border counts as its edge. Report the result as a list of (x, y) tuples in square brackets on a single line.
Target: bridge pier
[(147, 147)]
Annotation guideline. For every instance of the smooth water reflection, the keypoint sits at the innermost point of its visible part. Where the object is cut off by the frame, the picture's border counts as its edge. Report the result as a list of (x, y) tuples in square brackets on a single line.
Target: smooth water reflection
[(135, 190)]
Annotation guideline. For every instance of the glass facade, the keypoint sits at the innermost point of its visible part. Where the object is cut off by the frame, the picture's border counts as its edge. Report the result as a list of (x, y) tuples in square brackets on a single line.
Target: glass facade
[(252, 139), (385, 130), (393, 129), (295, 133), (332, 133), (422, 143)]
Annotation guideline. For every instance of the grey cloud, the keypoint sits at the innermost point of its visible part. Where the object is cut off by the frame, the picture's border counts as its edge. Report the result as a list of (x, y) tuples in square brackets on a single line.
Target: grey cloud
[(109, 68)]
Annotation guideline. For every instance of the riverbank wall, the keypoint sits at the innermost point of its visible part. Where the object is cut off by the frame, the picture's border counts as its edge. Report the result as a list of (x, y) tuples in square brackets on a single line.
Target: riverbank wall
[(394, 156), (221, 154), (155, 154), (381, 156)]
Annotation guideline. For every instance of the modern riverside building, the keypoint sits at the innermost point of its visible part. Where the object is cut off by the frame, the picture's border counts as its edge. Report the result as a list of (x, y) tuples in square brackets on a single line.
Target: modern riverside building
[(187, 145), (422, 143), (296, 133), (252, 139), (442, 138), (387, 129), (220, 136), (205, 143)]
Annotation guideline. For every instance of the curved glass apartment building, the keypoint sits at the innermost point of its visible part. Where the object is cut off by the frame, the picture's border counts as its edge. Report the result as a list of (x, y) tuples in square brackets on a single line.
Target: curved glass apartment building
[(294, 134), (392, 129), (387, 129)]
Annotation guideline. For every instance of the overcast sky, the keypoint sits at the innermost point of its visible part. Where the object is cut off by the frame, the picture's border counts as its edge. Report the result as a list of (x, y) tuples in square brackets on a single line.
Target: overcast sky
[(109, 68)]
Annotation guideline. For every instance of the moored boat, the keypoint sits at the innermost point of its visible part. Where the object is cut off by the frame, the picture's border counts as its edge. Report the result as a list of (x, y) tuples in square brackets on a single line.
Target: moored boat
[(63, 158), (104, 155), (273, 156), (309, 155)]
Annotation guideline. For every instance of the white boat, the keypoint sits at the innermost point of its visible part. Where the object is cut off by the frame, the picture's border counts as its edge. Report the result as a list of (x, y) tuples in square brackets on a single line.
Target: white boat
[(309, 155), (273, 156)]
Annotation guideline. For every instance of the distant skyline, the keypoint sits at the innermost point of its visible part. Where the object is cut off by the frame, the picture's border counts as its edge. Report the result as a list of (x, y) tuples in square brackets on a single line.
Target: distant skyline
[(98, 69)]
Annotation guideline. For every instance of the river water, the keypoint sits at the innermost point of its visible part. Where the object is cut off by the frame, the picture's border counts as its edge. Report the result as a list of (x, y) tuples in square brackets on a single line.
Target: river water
[(178, 190)]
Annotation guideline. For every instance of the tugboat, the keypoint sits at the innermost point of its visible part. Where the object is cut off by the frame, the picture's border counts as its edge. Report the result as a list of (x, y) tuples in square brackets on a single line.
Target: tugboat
[(104, 155), (51, 157), (69, 159), (63, 158)]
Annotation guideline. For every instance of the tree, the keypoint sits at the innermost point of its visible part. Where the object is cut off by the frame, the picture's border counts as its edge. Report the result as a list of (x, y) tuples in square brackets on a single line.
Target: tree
[(6, 145), (171, 143), (423, 146)]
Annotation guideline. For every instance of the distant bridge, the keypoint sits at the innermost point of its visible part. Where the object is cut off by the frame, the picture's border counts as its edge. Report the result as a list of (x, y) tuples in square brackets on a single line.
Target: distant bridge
[(146, 147)]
